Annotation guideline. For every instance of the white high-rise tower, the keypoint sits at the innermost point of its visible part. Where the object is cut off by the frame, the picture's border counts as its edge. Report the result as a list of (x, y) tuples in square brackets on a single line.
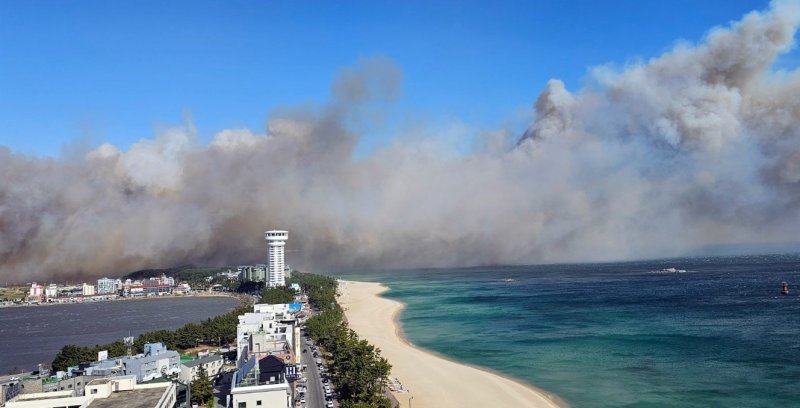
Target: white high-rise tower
[(276, 240)]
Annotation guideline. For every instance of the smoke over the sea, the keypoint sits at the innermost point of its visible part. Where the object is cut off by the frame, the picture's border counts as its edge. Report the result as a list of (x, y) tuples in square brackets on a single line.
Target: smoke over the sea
[(699, 146)]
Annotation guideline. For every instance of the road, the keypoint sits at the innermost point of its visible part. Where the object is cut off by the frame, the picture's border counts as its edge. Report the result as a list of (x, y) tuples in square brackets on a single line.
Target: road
[(222, 390), (315, 397)]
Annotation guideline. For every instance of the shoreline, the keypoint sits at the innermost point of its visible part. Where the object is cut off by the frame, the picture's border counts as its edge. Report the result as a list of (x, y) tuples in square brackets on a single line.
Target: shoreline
[(433, 380), (182, 309), (555, 399), (125, 299)]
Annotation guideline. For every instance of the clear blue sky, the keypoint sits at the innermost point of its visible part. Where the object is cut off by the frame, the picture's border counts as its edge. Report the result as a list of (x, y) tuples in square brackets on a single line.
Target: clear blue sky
[(109, 71)]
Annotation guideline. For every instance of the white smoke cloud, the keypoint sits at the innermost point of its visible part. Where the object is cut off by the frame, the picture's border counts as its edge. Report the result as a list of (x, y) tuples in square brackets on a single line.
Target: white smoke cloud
[(698, 146)]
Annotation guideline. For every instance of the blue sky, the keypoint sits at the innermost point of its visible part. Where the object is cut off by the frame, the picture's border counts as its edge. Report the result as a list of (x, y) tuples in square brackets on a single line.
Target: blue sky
[(100, 71)]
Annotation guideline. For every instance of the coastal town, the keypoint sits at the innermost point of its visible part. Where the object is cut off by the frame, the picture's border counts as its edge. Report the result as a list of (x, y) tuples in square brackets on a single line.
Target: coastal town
[(295, 342), (270, 360), (263, 367)]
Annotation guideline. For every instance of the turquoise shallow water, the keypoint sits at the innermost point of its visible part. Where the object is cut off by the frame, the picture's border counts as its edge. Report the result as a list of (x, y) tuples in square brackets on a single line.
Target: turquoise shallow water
[(618, 334)]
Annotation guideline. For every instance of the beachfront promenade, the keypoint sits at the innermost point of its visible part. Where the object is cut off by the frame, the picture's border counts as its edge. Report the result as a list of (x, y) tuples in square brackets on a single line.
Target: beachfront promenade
[(432, 381)]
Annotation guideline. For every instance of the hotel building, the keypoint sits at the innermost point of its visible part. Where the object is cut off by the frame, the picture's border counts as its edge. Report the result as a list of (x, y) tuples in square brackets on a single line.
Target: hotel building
[(276, 241)]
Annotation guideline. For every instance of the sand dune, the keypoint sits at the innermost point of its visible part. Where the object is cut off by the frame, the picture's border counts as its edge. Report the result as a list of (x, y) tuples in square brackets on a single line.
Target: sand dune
[(432, 381)]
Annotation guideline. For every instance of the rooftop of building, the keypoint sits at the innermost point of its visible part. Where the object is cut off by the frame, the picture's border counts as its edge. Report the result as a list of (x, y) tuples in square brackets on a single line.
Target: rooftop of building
[(137, 398), (203, 360)]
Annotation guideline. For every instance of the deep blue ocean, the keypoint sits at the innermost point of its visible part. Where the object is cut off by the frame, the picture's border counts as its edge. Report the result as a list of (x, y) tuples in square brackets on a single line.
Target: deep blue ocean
[(631, 334)]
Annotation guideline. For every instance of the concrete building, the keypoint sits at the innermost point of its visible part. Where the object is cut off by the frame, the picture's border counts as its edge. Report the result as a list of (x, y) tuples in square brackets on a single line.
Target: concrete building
[(267, 341), (10, 387), (106, 285), (182, 289), (261, 383), (36, 293), (252, 273), (55, 384), (190, 369), (276, 241), (51, 291), (156, 361), (269, 330), (114, 392), (87, 290), (103, 368), (162, 280)]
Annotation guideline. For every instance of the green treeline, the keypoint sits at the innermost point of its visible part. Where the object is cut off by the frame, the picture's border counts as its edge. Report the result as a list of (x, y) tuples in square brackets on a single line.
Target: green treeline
[(277, 295), (321, 289), (216, 330), (358, 371)]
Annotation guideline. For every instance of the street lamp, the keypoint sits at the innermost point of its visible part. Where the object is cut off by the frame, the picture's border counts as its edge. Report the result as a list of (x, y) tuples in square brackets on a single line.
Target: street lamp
[(409, 401)]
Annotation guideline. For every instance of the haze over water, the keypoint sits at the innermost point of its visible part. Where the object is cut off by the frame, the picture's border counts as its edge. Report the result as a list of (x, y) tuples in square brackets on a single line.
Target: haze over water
[(618, 334), (32, 335)]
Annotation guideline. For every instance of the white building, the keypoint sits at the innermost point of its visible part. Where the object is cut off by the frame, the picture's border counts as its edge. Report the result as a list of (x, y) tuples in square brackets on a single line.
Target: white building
[(106, 285), (261, 383), (121, 391), (191, 369), (155, 362), (51, 291), (276, 241), (87, 289), (268, 340), (182, 289)]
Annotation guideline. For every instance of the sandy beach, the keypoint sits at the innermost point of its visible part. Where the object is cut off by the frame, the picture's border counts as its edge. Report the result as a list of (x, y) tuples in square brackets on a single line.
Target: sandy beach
[(432, 380)]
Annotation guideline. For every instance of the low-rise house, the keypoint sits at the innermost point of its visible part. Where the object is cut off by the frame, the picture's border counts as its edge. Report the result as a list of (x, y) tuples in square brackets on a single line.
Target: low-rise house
[(9, 388), (191, 369), (103, 393), (35, 385), (156, 361)]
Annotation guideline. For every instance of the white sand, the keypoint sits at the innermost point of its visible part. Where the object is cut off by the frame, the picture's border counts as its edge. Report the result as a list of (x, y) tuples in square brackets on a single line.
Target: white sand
[(433, 381)]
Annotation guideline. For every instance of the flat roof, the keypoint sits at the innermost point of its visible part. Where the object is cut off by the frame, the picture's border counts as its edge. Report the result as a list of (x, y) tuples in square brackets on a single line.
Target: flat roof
[(138, 398)]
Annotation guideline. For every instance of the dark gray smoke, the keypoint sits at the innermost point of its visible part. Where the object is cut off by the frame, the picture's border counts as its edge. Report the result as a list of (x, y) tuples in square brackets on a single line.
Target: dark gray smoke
[(699, 146)]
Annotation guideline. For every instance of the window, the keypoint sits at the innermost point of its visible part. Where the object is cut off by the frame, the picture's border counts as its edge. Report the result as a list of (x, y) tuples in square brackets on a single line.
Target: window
[(258, 402), (94, 390), (242, 405)]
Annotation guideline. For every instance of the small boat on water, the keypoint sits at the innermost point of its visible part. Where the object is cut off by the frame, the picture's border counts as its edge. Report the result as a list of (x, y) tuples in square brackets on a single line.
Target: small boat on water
[(785, 290)]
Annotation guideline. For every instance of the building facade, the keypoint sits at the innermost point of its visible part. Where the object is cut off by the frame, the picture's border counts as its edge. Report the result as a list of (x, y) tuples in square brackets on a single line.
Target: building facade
[(9, 389), (261, 383), (276, 262), (250, 273), (191, 369), (106, 285), (156, 361), (36, 293), (114, 392)]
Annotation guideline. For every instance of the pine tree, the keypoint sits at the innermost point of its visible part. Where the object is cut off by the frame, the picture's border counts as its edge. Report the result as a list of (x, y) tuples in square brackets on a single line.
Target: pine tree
[(202, 390)]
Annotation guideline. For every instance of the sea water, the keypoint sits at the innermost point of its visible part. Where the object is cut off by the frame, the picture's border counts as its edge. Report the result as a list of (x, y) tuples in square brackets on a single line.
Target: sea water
[(698, 332)]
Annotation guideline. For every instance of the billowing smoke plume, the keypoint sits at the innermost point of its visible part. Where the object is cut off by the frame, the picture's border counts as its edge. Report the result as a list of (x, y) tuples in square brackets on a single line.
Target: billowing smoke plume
[(698, 146)]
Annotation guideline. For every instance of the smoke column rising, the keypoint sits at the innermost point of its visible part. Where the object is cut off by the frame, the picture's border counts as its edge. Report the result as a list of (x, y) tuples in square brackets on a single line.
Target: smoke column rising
[(698, 146)]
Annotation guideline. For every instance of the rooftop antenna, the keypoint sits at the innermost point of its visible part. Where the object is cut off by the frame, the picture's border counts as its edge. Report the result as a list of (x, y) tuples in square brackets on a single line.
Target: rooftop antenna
[(128, 343)]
